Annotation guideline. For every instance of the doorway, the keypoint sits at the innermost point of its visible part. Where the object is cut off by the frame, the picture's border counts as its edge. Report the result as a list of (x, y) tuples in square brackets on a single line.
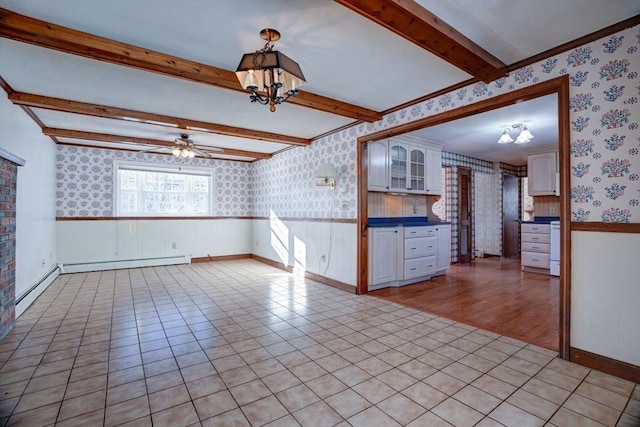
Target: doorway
[(510, 215), (465, 225), (559, 86)]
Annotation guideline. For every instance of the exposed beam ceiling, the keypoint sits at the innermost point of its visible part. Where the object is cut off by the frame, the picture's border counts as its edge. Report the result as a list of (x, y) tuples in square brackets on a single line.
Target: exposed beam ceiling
[(416, 24), (103, 137), (68, 106), (44, 34)]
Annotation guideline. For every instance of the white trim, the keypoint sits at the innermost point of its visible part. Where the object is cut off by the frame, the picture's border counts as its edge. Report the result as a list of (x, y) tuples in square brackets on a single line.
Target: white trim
[(127, 263), (34, 291)]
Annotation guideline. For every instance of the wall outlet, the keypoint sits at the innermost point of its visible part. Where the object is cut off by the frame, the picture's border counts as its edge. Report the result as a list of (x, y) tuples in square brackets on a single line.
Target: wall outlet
[(323, 258), (174, 245), (552, 209), (257, 243)]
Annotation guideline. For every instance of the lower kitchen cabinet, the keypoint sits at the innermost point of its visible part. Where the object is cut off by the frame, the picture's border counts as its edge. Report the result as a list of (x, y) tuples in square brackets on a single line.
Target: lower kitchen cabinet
[(383, 252), (535, 247), (403, 255)]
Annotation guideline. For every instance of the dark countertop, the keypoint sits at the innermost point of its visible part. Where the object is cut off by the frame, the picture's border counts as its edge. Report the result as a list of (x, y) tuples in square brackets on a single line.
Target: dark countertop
[(542, 220), (402, 222)]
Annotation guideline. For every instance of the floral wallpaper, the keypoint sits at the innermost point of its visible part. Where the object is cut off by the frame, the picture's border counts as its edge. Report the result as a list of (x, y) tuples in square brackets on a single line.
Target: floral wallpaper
[(287, 187), (84, 181), (605, 147)]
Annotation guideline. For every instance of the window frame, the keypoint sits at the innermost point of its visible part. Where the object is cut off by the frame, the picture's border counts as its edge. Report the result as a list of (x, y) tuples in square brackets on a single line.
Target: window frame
[(119, 165)]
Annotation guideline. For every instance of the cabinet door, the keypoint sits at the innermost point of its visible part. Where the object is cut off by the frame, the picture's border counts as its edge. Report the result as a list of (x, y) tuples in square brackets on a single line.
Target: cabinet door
[(417, 163), (541, 173), (443, 256), (378, 166), (398, 156), (384, 260), (433, 177)]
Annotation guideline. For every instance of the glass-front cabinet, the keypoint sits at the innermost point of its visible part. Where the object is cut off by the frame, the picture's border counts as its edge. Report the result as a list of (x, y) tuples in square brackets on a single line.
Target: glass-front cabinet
[(407, 168), (404, 165)]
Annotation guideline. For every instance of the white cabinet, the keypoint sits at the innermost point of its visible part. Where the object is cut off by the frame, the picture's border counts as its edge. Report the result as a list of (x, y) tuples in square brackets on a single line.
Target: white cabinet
[(433, 177), (443, 255), (541, 174), (383, 253), (535, 247), (378, 166), (404, 165), (419, 252), (403, 255)]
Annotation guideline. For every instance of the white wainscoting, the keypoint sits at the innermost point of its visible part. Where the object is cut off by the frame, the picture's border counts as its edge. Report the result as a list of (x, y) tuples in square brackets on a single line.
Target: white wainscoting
[(110, 240), (301, 244), (605, 293), (36, 194)]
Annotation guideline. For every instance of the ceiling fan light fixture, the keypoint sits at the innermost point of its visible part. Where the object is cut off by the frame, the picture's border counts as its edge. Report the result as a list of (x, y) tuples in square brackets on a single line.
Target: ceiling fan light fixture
[(270, 76)]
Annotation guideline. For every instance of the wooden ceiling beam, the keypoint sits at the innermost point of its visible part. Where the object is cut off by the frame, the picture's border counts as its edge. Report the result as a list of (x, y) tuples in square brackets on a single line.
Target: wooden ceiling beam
[(105, 137), (76, 107), (44, 34), (410, 20)]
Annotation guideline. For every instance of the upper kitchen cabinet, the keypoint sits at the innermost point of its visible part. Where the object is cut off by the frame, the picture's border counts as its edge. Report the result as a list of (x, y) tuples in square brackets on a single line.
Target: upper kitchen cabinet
[(409, 165), (378, 152), (541, 173)]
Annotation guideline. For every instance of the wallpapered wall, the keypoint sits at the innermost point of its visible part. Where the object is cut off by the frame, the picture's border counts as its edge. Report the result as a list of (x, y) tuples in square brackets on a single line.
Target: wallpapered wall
[(605, 158), (605, 148), (84, 181)]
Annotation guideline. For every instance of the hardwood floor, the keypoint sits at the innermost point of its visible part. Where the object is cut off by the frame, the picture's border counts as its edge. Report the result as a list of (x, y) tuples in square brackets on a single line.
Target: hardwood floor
[(490, 293)]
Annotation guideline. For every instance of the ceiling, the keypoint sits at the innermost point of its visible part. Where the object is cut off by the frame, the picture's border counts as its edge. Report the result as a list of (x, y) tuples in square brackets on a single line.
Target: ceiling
[(142, 72)]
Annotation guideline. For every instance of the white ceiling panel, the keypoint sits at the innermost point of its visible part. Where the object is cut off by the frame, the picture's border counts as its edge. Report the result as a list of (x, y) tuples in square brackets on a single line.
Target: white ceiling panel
[(46, 72), (342, 54), (61, 120), (141, 149), (477, 135), (514, 30)]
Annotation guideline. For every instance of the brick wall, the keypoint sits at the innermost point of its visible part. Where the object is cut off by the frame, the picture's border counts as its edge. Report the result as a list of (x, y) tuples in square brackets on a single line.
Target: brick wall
[(8, 175)]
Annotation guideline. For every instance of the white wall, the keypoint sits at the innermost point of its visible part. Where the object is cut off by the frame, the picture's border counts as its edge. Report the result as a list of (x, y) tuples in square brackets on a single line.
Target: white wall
[(36, 192), (605, 273), (301, 244), (108, 240)]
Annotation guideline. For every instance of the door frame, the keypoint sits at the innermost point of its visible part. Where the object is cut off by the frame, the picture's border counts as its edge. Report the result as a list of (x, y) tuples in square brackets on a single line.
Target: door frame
[(460, 171), (559, 86), (518, 208)]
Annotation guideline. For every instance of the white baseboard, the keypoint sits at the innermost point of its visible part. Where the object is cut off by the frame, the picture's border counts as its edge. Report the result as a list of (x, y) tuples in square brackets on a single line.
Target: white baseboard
[(24, 300), (120, 264)]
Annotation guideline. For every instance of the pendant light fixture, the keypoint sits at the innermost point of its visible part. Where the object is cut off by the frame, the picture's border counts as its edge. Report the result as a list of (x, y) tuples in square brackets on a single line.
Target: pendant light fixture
[(270, 76), (524, 136)]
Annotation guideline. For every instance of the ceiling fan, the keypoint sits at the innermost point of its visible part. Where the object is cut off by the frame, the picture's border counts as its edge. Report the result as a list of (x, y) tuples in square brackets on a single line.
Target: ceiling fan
[(185, 148)]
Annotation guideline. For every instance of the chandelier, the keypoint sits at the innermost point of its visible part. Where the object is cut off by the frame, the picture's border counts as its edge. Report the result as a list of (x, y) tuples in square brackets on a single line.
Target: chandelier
[(270, 76), (524, 135)]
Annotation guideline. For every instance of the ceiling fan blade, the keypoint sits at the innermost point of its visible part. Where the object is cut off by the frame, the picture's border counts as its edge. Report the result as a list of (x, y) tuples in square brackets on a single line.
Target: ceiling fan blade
[(209, 148), (156, 149)]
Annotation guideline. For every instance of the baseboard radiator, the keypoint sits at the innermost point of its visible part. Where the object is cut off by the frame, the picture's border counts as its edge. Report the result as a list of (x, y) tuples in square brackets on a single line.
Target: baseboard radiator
[(124, 263), (24, 300)]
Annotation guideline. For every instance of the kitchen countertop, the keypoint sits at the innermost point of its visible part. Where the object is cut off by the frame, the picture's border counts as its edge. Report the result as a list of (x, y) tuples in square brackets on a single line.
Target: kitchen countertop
[(542, 220), (402, 222)]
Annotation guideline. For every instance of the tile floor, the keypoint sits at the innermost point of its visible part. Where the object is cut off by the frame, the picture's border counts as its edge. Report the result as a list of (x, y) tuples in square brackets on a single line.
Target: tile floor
[(239, 343)]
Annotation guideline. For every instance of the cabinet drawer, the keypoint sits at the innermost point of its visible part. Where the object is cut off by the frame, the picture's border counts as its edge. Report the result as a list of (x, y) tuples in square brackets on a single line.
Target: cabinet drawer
[(535, 247), (419, 267), (535, 228), (534, 259), (419, 232), (535, 238), (419, 247)]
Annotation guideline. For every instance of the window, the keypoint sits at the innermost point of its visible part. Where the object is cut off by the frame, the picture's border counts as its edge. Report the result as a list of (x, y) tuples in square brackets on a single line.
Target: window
[(143, 190)]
